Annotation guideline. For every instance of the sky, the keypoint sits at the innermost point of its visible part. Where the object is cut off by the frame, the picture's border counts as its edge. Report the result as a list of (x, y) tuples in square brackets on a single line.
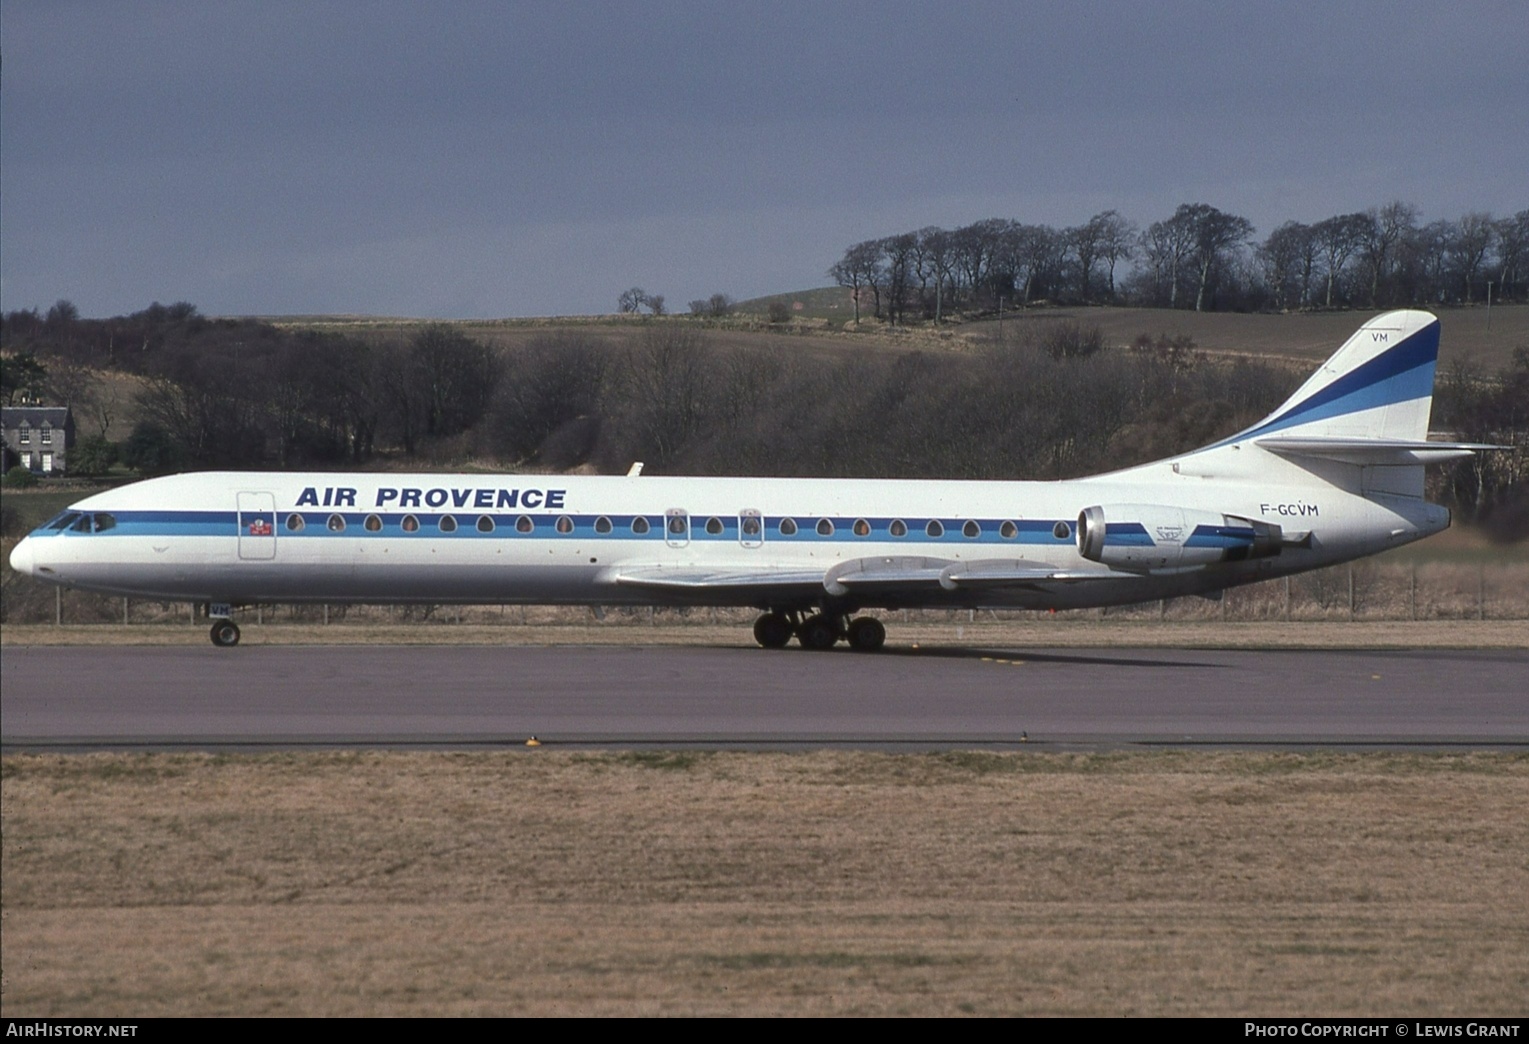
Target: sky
[(465, 159)]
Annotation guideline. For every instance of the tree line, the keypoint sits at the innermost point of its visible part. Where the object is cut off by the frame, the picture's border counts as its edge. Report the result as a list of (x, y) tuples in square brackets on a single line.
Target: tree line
[(1200, 257), (1050, 401)]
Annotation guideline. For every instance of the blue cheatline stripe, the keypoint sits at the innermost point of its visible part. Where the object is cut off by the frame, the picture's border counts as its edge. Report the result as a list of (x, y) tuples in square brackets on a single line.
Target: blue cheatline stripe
[(315, 525), (1126, 534), (1399, 374), (1220, 536)]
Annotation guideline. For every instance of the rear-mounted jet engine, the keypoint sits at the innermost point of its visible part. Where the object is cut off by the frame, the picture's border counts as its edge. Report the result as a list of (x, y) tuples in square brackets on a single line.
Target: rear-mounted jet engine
[(1153, 537)]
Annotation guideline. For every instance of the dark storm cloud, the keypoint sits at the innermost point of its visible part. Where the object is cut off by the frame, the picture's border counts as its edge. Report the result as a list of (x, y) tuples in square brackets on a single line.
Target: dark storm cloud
[(501, 159)]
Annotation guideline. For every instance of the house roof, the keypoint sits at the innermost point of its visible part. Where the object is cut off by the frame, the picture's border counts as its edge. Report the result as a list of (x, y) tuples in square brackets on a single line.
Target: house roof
[(35, 416)]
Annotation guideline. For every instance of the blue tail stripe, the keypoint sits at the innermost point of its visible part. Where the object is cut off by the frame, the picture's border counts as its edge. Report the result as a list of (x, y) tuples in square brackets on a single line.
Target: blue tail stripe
[(1402, 373)]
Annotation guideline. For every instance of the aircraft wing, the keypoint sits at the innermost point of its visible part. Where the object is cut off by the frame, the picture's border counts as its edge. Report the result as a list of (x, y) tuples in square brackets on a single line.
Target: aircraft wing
[(909, 576)]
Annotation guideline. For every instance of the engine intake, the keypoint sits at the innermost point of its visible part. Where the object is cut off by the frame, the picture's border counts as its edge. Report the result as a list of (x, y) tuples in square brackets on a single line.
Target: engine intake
[(1152, 537)]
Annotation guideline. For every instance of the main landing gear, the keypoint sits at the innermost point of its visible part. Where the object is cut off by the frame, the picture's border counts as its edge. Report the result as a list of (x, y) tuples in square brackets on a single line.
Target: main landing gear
[(819, 631)]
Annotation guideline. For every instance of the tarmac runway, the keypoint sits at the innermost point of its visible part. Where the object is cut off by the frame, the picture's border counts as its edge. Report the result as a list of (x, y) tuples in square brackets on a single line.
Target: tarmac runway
[(84, 698)]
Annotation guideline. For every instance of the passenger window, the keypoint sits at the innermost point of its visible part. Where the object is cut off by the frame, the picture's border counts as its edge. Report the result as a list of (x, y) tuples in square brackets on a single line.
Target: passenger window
[(971, 530), (1061, 531), (714, 526), (295, 523), (336, 523), (898, 528), (1008, 531), (934, 529), (448, 524), (565, 525), (750, 526), (410, 524), (825, 527), (677, 525), (373, 524), (602, 525), (862, 527), (788, 527), (485, 524), (523, 524), (640, 525)]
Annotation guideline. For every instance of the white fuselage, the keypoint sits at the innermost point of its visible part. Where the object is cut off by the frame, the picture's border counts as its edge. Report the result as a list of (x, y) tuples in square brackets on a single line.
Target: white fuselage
[(257, 537)]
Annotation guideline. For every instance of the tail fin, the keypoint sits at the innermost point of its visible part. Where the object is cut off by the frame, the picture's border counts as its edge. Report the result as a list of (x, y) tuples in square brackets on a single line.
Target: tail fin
[(1379, 385)]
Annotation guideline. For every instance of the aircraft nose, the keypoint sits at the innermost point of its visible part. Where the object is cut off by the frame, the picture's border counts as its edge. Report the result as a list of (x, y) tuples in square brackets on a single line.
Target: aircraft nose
[(22, 555)]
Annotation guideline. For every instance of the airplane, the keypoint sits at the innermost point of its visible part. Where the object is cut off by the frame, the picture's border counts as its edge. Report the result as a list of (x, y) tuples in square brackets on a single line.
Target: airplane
[(1335, 473)]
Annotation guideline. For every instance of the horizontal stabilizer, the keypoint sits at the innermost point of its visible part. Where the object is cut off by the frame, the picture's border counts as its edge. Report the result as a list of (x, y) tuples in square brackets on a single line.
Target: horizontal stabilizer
[(1358, 450)]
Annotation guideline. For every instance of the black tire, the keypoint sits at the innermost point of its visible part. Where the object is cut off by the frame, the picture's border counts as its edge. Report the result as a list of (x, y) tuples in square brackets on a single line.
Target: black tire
[(818, 632), (867, 634), (772, 631), (225, 633)]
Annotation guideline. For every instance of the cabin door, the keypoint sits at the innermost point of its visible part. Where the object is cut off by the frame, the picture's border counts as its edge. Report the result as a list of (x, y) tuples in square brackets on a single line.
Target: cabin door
[(750, 528), (257, 526)]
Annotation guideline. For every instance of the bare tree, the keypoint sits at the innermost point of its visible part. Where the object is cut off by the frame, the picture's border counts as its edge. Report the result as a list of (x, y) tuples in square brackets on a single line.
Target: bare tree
[(1281, 257), (1166, 246), (1468, 246), (1384, 229), (1214, 233), (861, 269), (934, 258), (632, 301), (1117, 242), (1338, 238), (1512, 251)]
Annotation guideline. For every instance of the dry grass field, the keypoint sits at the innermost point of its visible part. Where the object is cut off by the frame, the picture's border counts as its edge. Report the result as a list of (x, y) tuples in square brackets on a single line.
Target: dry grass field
[(557, 882), (1305, 338)]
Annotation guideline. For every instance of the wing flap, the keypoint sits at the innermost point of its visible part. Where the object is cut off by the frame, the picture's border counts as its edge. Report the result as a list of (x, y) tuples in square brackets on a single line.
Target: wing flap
[(700, 579), (1021, 573)]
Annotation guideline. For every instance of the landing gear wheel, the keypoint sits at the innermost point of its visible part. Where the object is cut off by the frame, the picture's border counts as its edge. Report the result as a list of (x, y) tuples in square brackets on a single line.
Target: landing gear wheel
[(225, 633), (818, 632), (867, 634), (772, 631)]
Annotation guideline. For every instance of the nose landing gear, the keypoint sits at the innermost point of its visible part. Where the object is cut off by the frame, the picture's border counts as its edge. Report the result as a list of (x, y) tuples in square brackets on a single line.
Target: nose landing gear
[(224, 633)]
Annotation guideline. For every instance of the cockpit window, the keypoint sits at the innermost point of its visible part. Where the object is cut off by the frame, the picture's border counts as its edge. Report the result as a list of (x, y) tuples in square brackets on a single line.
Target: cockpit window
[(62, 521), (81, 524), (104, 522)]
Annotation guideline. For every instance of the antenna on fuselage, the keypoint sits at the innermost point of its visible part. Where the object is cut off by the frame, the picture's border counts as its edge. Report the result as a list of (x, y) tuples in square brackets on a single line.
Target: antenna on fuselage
[(634, 470)]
